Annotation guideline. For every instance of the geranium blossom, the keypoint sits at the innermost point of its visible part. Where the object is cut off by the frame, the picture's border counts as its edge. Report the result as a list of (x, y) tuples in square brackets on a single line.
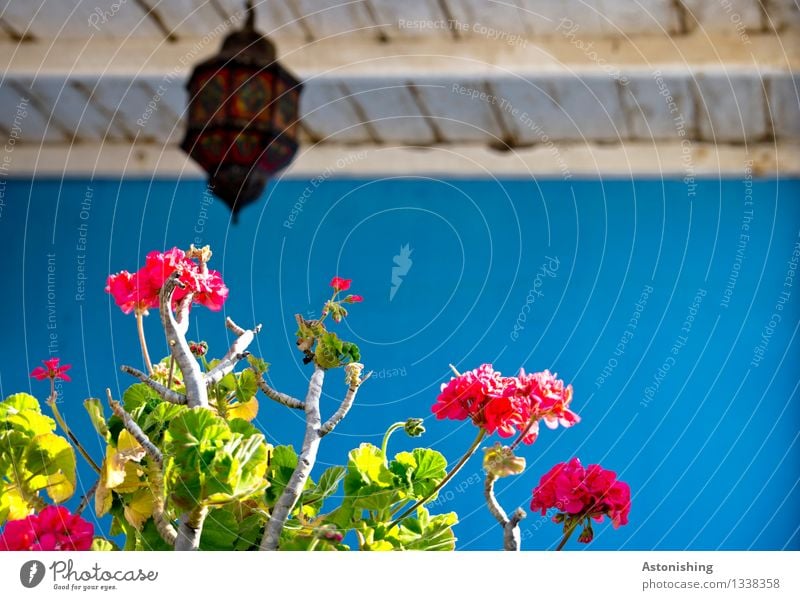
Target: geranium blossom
[(581, 494), (340, 284), (506, 405), (52, 371), (54, 528), (140, 291)]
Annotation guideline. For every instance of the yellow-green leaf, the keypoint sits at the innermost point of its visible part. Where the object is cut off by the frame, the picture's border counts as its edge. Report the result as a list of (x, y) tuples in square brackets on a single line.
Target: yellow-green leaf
[(51, 455), (102, 499), (94, 407), (368, 461), (12, 505), (244, 410), (102, 545), (60, 488), (120, 471), (139, 508)]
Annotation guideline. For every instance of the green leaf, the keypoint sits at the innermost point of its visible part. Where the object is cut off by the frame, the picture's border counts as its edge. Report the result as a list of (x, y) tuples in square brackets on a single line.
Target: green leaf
[(147, 539), (431, 469), (138, 396), (213, 461), (220, 531), (282, 464), (97, 416), (424, 532), (327, 485), (258, 364), (250, 532), (367, 463), (246, 386), (368, 483), (351, 351), (22, 413), (157, 421), (328, 353)]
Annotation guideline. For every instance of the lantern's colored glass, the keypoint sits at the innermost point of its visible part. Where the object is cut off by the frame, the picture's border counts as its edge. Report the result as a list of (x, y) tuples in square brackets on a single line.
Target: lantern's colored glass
[(243, 117)]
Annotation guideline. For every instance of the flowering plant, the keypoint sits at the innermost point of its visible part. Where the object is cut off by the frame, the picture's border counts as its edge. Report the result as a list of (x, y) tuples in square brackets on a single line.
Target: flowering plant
[(184, 467)]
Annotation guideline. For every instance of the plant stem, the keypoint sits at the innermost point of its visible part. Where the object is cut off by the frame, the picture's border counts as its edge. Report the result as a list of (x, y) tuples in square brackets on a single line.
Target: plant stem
[(305, 463), (171, 372), (567, 535), (143, 342), (87, 497), (462, 461), (387, 435), (524, 432), (51, 401), (190, 529)]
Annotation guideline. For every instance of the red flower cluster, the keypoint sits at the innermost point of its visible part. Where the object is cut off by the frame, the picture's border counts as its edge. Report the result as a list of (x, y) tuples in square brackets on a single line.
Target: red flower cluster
[(506, 404), (580, 493), (341, 285), (139, 291), (53, 371), (54, 528)]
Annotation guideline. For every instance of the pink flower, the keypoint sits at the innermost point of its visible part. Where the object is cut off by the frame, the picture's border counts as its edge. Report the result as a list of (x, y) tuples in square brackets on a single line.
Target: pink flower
[(341, 285), (54, 528), (353, 298), (506, 405), (140, 291), (582, 495), (546, 399), (53, 371)]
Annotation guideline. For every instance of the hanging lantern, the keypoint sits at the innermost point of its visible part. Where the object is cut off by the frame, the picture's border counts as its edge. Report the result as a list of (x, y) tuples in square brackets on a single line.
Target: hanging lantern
[(243, 116)]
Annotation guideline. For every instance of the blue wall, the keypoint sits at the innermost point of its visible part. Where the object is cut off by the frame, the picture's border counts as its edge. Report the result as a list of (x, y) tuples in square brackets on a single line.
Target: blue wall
[(708, 443)]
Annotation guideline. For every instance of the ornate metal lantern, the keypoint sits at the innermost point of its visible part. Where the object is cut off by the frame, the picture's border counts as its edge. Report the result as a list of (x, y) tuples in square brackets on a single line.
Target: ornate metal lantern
[(243, 116)]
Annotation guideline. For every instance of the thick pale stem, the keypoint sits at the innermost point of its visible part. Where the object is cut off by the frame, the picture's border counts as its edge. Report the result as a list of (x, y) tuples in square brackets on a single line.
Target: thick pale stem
[(236, 352), (143, 342), (491, 500), (344, 408), (136, 431), (308, 456), (275, 395), (165, 393), (175, 330), (462, 461), (511, 534), (190, 529), (165, 529)]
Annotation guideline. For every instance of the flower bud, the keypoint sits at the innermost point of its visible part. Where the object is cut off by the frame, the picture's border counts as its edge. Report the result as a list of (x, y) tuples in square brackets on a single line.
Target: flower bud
[(587, 535), (500, 461), (414, 427), (329, 533), (198, 349)]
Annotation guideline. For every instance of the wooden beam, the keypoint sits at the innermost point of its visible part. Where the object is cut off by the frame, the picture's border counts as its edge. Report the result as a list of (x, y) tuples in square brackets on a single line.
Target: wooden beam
[(137, 57), (563, 161)]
